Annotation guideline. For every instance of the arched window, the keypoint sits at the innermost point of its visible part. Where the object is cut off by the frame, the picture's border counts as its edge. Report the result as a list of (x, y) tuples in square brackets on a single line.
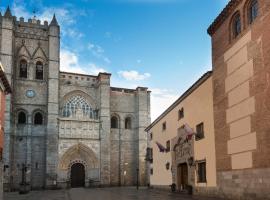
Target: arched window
[(23, 69), (21, 118), (128, 123), (38, 118), (39, 70), (77, 106), (253, 10), (114, 122), (236, 25)]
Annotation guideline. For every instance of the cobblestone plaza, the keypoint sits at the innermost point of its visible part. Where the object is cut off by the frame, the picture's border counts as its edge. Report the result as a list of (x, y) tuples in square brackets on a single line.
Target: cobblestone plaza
[(102, 194)]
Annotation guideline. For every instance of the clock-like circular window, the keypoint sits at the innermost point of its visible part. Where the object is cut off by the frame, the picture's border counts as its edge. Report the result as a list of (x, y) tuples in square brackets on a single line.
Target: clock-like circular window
[(30, 93)]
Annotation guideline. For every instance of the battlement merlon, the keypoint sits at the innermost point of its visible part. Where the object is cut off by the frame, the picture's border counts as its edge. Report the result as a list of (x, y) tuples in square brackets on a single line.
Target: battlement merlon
[(31, 23)]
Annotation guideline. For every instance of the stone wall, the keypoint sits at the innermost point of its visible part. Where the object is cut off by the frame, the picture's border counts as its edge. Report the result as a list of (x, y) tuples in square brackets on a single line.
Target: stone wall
[(49, 150)]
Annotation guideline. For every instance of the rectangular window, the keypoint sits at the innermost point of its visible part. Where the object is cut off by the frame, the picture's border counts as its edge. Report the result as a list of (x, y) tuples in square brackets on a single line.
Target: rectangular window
[(151, 171), (202, 172), (37, 165), (168, 146), (181, 113), (151, 136), (1, 154), (164, 126), (149, 155), (199, 131)]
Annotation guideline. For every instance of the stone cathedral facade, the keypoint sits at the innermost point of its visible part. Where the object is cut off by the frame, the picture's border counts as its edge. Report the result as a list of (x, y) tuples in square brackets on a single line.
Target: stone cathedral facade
[(64, 129)]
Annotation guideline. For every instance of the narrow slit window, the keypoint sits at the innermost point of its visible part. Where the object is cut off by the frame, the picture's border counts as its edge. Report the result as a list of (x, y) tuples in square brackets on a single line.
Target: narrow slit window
[(23, 69), (236, 25), (39, 71), (253, 10), (38, 119), (21, 118)]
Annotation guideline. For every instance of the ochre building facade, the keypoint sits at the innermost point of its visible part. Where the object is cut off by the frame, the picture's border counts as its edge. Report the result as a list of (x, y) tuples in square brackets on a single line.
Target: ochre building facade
[(173, 157), (64, 129)]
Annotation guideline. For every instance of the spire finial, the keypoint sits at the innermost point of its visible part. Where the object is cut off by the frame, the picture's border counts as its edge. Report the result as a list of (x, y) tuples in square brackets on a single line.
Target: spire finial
[(8, 13), (54, 21)]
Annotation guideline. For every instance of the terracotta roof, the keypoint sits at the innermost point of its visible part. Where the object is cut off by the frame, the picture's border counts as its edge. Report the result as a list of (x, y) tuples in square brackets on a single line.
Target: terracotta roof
[(223, 16), (181, 98)]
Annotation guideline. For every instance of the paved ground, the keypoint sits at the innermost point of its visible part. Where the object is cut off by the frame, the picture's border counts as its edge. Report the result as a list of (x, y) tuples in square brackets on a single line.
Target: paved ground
[(101, 194)]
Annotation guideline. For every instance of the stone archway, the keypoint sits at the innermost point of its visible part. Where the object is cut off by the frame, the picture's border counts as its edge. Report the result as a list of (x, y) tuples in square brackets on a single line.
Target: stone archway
[(79, 152), (81, 160)]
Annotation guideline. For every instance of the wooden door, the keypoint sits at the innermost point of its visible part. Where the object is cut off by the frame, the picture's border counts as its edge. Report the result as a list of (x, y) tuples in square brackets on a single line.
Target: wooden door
[(182, 176), (77, 175)]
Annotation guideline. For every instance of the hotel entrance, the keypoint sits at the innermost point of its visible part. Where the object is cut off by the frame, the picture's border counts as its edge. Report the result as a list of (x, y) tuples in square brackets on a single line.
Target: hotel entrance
[(182, 176)]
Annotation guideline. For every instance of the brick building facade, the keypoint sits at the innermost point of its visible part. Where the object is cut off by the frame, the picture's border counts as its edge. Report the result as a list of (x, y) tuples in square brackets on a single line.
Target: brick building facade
[(5, 89), (241, 71)]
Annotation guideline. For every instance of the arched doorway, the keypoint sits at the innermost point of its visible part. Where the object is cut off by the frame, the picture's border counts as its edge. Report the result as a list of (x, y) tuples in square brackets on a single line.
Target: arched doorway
[(182, 176), (77, 175)]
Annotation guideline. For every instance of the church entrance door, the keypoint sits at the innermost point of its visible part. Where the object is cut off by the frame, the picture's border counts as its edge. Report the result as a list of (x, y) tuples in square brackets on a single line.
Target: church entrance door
[(77, 175)]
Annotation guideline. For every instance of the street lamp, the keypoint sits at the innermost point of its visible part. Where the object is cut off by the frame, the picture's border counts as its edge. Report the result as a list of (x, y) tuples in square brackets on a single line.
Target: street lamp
[(137, 170), (24, 189)]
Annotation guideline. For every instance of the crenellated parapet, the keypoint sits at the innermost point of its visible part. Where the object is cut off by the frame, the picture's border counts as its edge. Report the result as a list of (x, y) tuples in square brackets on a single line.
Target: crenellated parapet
[(75, 79), (32, 28)]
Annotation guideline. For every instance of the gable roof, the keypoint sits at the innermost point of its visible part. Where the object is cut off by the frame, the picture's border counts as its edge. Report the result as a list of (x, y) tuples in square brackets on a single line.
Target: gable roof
[(197, 84)]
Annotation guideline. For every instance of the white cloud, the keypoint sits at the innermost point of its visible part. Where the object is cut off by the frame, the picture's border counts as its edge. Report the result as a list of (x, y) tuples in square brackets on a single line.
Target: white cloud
[(65, 17), (108, 34), (98, 52), (69, 63), (133, 75), (161, 99)]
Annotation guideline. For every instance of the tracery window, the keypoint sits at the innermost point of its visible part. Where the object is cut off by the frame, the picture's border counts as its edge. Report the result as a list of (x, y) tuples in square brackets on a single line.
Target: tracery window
[(77, 106)]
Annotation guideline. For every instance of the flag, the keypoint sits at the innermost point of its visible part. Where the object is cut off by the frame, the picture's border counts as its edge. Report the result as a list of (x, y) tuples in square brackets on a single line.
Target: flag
[(189, 131), (161, 147)]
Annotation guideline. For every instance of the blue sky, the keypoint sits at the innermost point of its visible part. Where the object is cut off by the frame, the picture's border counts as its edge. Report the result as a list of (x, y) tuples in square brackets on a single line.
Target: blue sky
[(160, 44)]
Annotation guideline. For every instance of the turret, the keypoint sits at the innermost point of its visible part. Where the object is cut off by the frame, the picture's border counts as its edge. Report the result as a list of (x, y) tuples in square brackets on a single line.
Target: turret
[(6, 58), (8, 13), (53, 90), (54, 21)]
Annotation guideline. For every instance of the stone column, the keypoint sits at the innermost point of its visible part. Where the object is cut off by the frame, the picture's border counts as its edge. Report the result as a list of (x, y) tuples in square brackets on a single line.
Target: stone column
[(53, 107), (143, 120), (7, 62), (105, 147)]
